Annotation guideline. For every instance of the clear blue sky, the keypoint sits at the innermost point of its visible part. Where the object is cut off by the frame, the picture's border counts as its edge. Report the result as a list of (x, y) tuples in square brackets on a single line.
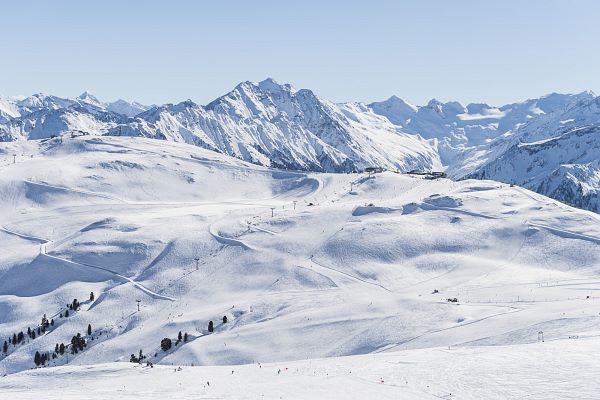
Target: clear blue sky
[(168, 51)]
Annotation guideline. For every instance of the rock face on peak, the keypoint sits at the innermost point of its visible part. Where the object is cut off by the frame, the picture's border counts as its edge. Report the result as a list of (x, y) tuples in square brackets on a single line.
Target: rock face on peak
[(89, 98), (275, 125)]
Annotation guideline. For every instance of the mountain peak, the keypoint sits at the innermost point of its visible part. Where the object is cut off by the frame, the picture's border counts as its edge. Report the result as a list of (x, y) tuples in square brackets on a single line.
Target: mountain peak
[(271, 85), (86, 94), (399, 102), (268, 83), (88, 97), (395, 109), (434, 103)]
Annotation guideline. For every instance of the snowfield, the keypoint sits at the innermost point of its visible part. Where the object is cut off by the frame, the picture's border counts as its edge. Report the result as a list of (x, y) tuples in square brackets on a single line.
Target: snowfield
[(562, 369), (307, 267)]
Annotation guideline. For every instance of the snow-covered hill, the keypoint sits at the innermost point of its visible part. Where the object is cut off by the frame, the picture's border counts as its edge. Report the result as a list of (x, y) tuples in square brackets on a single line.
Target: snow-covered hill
[(275, 125), (303, 265)]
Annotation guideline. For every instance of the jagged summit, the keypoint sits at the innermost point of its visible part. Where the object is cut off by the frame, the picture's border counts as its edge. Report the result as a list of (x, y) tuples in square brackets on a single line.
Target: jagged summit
[(270, 85), (87, 95)]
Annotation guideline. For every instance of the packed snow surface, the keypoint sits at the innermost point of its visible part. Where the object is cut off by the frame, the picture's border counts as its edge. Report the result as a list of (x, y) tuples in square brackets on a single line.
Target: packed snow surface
[(563, 369), (303, 265)]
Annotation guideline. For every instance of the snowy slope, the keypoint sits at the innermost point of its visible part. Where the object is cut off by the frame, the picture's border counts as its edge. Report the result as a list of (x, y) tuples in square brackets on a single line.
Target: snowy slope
[(562, 369), (304, 265)]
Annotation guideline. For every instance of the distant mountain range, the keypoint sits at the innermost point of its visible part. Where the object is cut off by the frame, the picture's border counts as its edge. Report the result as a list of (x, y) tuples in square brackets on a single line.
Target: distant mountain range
[(550, 144)]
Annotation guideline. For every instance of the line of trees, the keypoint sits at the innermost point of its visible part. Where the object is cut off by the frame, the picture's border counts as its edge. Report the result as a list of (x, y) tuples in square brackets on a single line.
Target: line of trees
[(166, 343), (19, 338), (45, 325), (78, 343)]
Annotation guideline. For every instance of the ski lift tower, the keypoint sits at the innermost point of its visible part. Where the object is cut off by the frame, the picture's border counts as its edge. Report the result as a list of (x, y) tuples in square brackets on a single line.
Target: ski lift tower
[(540, 336), (138, 304), (197, 259)]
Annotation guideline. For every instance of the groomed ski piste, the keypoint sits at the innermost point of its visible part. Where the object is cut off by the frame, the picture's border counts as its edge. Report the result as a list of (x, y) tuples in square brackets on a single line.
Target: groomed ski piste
[(333, 285)]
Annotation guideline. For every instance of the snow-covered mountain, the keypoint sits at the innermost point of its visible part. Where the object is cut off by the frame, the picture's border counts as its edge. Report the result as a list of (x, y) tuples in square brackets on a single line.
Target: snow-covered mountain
[(550, 145), (458, 127), (122, 107), (275, 125), (557, 155), (41, 116)]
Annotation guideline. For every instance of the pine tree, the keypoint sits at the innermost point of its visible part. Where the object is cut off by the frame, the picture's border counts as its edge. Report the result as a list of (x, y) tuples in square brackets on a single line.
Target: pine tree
[(185, 337), (165, 344), (14, 339), (61, 349), (78, 342), (66, 313), (37, 359), (52, 322), (179, 337), (5, 347), (33, 334), (224, 319), (91, 296), (210, 326), (89, 329), (56, 348), (29, 331)]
